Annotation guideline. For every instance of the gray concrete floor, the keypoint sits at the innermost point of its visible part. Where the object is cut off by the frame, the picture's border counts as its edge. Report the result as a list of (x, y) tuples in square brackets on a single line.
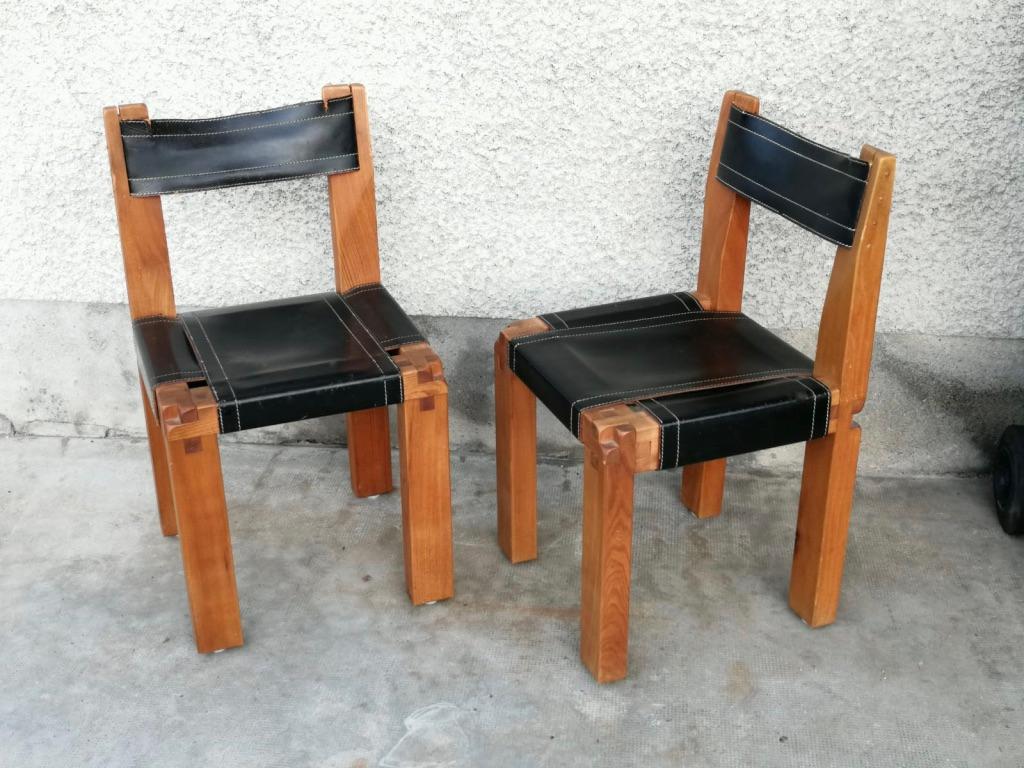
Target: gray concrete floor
[(925, 665)]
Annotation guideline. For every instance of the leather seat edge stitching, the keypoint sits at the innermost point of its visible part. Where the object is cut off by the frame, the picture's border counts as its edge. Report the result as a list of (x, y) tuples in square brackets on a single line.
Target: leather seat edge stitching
[(206, 373)]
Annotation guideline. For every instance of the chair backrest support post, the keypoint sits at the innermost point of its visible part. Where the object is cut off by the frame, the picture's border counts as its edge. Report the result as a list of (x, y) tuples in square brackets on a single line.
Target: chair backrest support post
[(140, 221), (846, 334), (353, 203), (723, 242)]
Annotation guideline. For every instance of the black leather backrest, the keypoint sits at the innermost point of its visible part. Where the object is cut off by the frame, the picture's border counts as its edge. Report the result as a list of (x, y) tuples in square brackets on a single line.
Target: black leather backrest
[(816, 187), (165, 156)]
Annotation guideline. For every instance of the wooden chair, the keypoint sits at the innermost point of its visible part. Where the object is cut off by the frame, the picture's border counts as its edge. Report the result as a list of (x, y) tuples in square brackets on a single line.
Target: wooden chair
[(352, 350), (686, 379)]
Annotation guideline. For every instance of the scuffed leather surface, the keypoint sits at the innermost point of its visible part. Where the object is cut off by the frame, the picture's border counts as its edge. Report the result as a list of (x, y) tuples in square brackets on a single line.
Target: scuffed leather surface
[(165, 156), (719, 383), (714, 423), (382, 315), (814, 186), (164, 352), (666, 305), (280, 361)]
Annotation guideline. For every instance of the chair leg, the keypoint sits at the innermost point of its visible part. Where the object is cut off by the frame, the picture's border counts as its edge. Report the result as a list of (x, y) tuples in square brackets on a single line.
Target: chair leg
[(607, 552), (205, 542), (703, 488), (369, 452), (161, 472), (826, 496), (426, 493), (516, 457), (188, 418)]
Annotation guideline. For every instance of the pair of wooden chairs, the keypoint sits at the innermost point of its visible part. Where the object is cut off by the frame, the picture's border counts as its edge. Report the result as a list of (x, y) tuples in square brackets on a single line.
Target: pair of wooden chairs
[(681, 379)]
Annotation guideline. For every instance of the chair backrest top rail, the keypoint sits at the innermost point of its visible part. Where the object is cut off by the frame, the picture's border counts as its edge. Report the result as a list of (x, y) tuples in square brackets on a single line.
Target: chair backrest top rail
[(185, 155), (816, 187)]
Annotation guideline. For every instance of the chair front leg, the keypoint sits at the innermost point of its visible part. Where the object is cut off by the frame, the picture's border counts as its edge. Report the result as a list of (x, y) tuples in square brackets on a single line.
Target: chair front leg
[(826, 496), (189, 419), (161, 471), (608, 478), (369, 452), (703, 488), (425, 476), (516, 458)]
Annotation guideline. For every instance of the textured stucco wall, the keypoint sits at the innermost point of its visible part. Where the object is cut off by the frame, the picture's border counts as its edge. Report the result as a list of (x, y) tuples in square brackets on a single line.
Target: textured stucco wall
[(529, 159)]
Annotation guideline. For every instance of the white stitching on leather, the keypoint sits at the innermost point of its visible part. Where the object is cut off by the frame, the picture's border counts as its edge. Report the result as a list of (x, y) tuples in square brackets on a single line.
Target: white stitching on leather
[(372, 358), (592, 325), (613, 323), (777, 194), (242, 183), (814, 404), (724, 414), (304, 391), (234, 130), (379, 345), (180, 374), (675, 422), (800, 224), (170, 379), (772, 123), (238, 408), (798, 154), (360, 289), (407, 337), (679, 298), (249, 168), (828, 401), (661, 448), (242, 114), (559, 317), (522, 340), (151, 320), (368, 332), (363, 289), (617, 322), (206, 373), (671, 389)]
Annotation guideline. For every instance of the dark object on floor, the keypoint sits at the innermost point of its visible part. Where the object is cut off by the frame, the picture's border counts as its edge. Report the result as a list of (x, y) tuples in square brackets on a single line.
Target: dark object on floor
[(1008, 480)]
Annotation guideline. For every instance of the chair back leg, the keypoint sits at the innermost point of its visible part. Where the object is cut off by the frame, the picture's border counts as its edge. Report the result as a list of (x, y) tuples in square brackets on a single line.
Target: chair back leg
[(515, 421), (703, 488), (161, 470), (826, 496), (369, 452)]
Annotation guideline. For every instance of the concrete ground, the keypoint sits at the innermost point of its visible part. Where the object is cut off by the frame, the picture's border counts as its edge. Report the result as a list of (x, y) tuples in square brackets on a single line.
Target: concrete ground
[(925, 665)]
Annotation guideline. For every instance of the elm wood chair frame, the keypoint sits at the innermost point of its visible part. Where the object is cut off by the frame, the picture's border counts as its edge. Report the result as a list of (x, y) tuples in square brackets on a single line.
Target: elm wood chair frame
[(184, 425), (620, 440)]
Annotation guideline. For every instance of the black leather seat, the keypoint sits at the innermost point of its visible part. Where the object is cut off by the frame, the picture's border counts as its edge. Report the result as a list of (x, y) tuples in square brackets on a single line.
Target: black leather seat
[(281, 361), (717, 382)]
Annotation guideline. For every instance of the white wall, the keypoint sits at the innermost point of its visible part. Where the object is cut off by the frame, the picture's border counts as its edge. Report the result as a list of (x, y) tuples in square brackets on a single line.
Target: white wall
[(528, 160)]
